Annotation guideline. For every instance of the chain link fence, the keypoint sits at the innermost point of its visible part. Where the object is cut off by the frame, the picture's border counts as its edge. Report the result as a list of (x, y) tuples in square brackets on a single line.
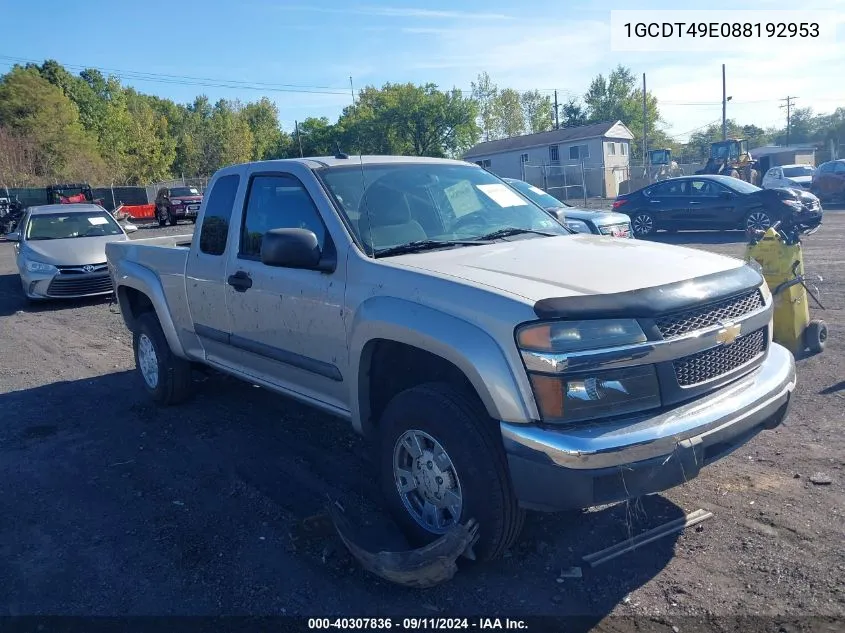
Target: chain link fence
[(583, 184)]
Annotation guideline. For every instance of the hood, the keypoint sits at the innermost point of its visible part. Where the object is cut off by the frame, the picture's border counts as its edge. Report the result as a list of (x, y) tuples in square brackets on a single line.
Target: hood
[(801, 180), (583, 264), (599, 218), (75, 251)]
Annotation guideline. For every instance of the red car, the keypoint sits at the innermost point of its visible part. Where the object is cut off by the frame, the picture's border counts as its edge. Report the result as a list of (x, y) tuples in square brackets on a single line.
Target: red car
[(177, 203), (829, 181)]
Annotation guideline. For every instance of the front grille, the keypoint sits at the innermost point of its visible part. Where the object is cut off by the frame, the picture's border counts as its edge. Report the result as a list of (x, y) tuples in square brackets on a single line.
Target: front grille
[(73, 285), (80, 270), (679, 323), (712, 363)]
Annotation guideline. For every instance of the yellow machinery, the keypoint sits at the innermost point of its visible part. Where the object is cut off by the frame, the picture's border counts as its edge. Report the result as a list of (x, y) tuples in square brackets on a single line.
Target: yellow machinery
[(732, 158), (778, 253)]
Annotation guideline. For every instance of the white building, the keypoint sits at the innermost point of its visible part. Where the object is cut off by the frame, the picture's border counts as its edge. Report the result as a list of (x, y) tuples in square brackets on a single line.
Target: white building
[(602, 149)]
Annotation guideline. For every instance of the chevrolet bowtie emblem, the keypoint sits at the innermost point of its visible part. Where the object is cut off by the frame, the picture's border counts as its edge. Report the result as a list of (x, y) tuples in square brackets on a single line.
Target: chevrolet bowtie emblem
[(729, 333)]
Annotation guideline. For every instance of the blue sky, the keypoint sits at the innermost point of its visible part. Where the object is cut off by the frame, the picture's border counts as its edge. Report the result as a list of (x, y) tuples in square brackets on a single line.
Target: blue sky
[(315, 47)]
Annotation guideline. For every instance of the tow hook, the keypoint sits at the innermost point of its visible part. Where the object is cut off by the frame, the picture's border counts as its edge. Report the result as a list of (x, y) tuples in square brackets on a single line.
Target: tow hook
[(420, 568)]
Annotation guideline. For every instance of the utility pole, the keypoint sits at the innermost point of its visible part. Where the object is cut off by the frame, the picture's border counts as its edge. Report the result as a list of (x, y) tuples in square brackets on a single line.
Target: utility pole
[(352, 89), (724, 107), (557, 118), (788, 107), (298, 137), (645, 127)]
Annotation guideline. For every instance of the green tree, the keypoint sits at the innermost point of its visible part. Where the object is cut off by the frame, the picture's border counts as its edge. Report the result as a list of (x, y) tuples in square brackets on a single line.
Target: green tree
[(538, 111), (618, 97), (509, 116), (484, 93), (410, 120), (150, 149), (316, 136), (262, 117), (32, 108), (572, 114)]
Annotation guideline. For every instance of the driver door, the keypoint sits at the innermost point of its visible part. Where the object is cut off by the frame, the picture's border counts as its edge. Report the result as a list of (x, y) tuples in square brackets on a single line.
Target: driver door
[(287, 324)]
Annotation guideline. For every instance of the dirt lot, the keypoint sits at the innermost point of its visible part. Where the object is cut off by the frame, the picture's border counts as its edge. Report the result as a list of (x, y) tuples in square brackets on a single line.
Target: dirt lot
[(110, 505)]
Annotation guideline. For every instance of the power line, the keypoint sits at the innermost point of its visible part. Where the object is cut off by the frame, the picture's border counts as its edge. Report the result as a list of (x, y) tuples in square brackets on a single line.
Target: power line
[(194, 81)]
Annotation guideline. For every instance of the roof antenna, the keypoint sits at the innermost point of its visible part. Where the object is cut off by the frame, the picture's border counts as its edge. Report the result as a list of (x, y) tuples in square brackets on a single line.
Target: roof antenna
[(339, 154)]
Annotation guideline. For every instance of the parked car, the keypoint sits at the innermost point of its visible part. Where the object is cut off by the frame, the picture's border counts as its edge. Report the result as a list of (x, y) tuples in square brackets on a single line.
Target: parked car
[(579, 220), (497, 361), (177, 203), (786, 176), (829, 181), (714, 202), (61, 250)]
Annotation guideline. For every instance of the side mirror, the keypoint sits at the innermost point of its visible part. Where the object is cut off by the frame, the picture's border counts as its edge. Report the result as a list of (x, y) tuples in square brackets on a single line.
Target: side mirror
[(13, 237), (293, 248), (558, 213), (130, 228)]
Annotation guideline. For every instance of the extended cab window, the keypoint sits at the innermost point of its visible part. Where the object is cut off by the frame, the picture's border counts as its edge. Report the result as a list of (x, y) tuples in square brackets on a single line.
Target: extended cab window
[(277, 202), (218, 215)]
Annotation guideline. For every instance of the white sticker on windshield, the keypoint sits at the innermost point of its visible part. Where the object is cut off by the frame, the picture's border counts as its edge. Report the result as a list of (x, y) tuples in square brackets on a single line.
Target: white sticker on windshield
[(501, 195), (95, 221)]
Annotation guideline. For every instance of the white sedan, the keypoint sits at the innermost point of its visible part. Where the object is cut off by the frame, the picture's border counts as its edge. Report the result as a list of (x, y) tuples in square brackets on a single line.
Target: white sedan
[(789, 176)]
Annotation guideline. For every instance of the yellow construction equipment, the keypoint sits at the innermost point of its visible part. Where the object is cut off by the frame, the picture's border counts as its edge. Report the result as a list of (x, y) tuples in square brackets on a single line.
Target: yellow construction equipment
[(732, 158), (778, 254)]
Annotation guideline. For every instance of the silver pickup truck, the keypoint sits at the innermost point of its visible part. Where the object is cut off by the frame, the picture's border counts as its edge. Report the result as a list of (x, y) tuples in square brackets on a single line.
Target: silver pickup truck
[(498, 361)]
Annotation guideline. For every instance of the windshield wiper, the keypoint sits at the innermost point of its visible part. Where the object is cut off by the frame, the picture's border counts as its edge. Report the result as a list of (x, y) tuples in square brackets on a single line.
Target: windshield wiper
[(32, 239), (514, 231), (423, 245)]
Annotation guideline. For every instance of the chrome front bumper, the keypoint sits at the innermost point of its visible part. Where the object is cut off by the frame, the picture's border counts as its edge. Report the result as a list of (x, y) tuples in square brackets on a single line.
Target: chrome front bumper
[(695, 434)]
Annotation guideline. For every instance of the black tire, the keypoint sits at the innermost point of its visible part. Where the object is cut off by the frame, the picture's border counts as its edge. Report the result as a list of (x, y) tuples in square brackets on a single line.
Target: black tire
[(170, 219), (474, 445), (162, 221), (642, 224), (815, 336), (173, 384), (193, 220), (758, 220)]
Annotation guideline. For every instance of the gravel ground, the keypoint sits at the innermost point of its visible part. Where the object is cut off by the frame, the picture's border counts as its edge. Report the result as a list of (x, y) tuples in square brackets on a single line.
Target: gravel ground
[(113, 506)]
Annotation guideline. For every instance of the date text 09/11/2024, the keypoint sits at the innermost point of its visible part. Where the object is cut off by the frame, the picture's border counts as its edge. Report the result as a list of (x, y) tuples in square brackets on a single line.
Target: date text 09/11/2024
[(723, 29), (417, 624)]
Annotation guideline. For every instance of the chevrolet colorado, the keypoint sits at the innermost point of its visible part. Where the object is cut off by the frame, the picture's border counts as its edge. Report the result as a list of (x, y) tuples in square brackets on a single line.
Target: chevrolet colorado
[(498, 361)]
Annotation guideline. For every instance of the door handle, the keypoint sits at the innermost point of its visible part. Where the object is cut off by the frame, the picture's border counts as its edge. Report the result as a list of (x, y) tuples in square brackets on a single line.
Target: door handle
[(240, 281), (656, 201), (694, 202)]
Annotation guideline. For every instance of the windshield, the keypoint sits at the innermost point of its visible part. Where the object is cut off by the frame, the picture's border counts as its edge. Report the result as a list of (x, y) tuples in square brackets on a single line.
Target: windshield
[(737, 185), (61, 226), (184, 191), (801, 170), (536, 195), (393, 205)]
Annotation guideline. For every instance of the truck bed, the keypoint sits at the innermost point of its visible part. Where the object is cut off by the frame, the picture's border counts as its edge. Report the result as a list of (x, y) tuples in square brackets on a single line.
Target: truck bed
[(142, 261)]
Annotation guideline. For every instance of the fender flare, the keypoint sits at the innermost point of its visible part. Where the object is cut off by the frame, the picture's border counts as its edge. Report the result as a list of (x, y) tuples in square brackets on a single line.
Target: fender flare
[(140, 278), (505, 393)]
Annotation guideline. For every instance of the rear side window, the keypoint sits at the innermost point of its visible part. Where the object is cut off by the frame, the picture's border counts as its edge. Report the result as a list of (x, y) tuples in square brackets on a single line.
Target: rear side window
[(826, 168), (277, 201), (218, 215)]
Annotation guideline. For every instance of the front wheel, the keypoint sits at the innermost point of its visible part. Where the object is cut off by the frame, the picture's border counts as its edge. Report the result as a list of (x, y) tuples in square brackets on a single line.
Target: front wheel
[(758, 221), (170, 219), (166, 377), (642, 224), (442, 463)]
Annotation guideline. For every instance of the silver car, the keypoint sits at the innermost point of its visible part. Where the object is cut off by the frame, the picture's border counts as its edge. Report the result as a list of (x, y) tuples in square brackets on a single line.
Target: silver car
[(61, 250)]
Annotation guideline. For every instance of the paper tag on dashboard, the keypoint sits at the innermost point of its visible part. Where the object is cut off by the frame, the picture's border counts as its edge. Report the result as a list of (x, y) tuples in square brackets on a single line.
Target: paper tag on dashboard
[(501, 195), (96, 221)]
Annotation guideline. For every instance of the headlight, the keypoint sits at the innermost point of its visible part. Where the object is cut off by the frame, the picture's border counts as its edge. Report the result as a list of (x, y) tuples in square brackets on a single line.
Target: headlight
[(599, 394), (579, 226), (795, 204), (576, 336), (39, 267)]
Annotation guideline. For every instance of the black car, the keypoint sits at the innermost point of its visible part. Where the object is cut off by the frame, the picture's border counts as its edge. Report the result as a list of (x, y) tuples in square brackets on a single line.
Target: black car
[(715, 202)]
